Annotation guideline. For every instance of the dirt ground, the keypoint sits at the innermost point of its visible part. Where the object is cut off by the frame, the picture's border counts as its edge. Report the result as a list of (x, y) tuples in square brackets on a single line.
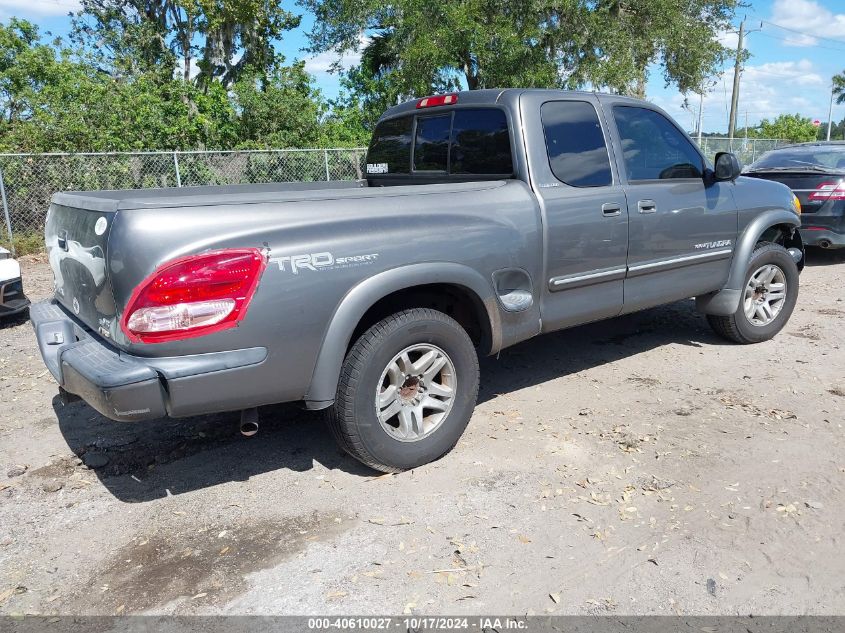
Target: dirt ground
[(636, 466)]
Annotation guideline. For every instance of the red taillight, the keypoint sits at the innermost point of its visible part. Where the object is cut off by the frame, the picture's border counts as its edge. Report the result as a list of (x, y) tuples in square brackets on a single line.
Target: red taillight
[(829, 191), (437, 100), (194, 295)]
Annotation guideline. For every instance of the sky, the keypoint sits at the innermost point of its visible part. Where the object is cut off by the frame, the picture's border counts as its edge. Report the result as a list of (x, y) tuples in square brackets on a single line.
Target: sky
[(796, 47)]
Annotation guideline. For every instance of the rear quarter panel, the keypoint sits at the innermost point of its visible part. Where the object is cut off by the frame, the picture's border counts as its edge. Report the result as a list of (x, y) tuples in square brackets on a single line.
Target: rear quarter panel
[(319, 250)]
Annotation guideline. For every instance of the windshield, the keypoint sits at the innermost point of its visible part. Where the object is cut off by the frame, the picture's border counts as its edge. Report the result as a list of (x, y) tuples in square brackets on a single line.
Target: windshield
[(798, 158)]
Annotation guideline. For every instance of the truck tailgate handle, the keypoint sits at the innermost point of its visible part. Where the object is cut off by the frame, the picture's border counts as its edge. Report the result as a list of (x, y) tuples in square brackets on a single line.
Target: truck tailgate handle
[(647, 206), (610, 209)]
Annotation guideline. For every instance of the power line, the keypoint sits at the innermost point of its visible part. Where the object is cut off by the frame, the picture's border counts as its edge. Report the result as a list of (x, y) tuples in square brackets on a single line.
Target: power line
[(785, 39), (804, 33)]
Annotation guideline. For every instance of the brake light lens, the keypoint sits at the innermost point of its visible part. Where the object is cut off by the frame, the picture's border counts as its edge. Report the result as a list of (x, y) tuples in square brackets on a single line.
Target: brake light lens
[(829, 191), (437, 100), (193, 296)]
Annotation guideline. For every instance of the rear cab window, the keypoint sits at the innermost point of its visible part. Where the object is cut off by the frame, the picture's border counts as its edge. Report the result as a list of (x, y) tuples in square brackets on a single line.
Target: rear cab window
[(390, 148), (460, 144), (431, 143), (575, 144)]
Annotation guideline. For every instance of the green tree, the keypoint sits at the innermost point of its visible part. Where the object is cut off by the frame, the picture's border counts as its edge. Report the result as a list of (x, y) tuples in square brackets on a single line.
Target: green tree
[(789, 127), (837, 131), (283, 110), (839, 87), (54, 99), (430, 45), (201, 40), (26, 67)]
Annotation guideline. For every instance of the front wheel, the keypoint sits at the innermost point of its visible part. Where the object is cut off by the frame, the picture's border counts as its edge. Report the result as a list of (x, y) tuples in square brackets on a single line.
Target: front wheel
[(768, 297), (406, 392)]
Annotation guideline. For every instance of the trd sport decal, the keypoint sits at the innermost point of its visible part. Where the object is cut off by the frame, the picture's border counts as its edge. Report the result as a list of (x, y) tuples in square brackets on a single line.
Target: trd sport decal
[(321, 261)]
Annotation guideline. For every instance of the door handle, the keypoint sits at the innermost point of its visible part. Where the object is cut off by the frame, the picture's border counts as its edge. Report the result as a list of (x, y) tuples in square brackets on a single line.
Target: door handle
[(647, 206), (609, 209)]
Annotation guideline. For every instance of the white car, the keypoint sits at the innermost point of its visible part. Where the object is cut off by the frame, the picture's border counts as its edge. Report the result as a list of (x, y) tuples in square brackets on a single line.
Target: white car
[(12, 298)]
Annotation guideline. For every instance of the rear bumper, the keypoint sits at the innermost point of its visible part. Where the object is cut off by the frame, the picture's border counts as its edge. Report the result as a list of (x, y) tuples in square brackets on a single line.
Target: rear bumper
[(824, 237), (12, 298), (128, 388), (823, 230)]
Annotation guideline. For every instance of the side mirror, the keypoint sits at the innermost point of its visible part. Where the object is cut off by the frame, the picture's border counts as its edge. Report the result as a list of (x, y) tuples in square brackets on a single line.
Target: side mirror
[(726, 167)]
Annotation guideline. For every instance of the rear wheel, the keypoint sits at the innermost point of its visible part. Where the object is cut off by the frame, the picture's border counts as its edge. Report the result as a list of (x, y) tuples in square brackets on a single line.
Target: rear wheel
[(406, 392), (768, 297)]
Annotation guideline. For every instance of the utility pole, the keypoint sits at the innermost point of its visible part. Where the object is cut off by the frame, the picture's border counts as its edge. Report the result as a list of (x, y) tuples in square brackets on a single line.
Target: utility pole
[(700, 112), (737, 70), (830, 112)]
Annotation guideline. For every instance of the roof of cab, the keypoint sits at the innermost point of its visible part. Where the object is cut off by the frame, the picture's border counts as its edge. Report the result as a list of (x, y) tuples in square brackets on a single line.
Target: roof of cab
[(491, 96)]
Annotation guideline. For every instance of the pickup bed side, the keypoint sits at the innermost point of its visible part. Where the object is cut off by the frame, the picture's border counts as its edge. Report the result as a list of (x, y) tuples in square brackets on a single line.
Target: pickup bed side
[(323, 276)]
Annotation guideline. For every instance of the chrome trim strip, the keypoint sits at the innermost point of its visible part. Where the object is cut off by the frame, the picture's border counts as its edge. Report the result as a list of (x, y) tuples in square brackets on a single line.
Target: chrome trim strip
[(725, 252), (563, 281), (557, 283)]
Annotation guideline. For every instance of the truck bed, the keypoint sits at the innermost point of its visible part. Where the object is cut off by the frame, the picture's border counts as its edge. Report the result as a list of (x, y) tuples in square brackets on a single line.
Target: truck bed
[(123, 199)]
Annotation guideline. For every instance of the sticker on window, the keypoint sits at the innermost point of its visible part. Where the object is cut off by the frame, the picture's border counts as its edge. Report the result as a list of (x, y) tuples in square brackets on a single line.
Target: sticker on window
[(376, 168)]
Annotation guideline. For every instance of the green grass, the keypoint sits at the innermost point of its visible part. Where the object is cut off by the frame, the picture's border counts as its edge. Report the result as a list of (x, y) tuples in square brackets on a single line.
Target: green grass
[(25, 243)]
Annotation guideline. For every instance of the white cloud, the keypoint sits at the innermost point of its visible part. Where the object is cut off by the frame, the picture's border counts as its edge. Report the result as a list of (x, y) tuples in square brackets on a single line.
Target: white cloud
[(729, 39), (323, 62), (26, 8), (807, 16), (796, 73), (766, 90)]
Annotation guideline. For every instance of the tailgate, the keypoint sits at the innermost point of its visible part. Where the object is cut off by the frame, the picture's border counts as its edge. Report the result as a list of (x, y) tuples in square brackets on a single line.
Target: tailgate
[(76, 246)]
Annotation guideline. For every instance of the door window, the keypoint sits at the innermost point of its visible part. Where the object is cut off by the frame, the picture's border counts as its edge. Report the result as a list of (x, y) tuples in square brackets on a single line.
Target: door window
[(653, 148), (575, 143)]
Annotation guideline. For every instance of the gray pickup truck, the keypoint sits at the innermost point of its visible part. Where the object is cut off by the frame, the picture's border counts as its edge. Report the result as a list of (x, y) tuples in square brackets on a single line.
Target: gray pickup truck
[(486, 218)]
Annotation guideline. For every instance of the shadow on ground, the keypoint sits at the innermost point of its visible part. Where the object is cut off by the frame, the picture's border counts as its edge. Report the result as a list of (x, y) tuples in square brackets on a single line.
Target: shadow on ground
[(825, 257), (146, 460), (14, 320)]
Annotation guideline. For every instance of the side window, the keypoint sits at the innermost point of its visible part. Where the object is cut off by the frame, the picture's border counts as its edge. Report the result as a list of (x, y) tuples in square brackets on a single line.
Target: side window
[(575, 143), (431, 147), (653, 148), (481, 143), (390, 149)]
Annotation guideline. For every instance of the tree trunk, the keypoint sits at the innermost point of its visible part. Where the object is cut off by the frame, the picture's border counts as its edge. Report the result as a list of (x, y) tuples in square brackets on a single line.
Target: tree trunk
[(471, 74)]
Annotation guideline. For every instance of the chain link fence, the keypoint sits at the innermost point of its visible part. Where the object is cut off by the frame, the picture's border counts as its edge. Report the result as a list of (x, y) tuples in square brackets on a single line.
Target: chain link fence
[(27, 181), (746, 150)]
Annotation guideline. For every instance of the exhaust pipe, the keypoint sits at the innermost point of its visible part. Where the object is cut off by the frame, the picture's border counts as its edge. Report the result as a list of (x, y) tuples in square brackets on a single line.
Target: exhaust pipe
[(824, 243), (249, 422)]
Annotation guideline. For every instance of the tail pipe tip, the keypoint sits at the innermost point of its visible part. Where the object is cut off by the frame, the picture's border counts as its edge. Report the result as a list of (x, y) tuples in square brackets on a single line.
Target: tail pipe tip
[(249, 422)]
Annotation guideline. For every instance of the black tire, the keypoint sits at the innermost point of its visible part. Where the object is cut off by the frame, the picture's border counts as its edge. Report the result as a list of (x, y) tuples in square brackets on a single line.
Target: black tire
[(353, 419), (738, 327)]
